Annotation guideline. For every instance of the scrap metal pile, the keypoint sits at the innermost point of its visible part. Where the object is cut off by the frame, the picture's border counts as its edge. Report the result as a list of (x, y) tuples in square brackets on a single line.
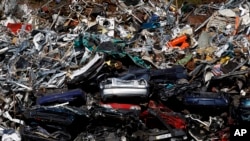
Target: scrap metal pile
[(123, 70)]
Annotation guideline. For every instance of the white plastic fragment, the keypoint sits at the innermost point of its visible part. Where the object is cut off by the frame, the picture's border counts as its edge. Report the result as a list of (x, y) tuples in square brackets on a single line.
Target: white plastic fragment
[(208, 76), (59, 20), (186, 30), (227, 13), (242, 93)]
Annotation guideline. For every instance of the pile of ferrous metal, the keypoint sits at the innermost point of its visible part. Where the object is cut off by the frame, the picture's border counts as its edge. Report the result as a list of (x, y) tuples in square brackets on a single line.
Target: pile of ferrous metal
[(123, 70)]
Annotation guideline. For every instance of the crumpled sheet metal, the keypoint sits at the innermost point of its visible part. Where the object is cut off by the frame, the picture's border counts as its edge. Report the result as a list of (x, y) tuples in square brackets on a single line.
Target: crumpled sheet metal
[(222, 19), (63, 40), (8, 7), (47, 52)]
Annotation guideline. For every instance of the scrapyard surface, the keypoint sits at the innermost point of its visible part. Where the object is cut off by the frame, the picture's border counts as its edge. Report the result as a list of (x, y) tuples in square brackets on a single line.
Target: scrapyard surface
[(124, 70)]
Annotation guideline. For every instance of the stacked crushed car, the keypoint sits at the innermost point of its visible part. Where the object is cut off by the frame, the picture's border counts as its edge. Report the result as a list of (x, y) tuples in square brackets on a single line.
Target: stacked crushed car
[(123, 70)]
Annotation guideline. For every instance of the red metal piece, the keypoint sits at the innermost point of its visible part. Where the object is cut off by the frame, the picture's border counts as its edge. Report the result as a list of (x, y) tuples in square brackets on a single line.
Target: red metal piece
[(184, 45), (74, 23), (224, 134), (179, 41), (170, 117), (45, 9), (16, 27), (121, 106)]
